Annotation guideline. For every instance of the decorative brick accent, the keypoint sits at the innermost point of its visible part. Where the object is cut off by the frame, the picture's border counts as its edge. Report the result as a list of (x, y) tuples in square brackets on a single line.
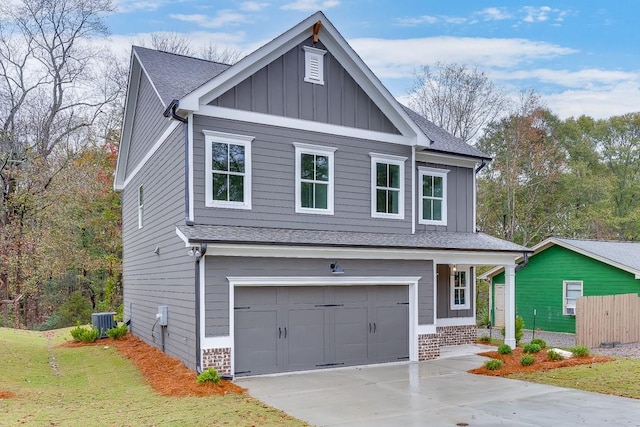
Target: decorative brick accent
[(457, 335), (218, 358), (428, 346)]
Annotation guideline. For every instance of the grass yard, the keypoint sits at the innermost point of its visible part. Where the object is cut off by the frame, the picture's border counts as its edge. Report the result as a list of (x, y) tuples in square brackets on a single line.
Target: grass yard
[(620, 377), (95, 385)]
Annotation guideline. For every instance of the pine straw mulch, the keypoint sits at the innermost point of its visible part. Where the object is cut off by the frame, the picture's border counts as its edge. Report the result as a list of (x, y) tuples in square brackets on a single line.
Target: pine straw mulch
[(6, 395), (166, 375), (512, 362)]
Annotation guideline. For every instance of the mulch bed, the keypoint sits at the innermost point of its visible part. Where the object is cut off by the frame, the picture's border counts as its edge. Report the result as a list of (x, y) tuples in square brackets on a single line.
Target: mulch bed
[(6, 395), (512, 362), (166, 375)]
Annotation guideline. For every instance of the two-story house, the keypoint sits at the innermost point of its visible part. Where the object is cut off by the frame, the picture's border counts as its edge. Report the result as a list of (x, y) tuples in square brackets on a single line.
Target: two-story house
[(287, 213)]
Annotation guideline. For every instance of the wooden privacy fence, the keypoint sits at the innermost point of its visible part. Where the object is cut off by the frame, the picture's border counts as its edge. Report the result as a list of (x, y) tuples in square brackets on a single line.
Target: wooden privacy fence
[(606, 319)]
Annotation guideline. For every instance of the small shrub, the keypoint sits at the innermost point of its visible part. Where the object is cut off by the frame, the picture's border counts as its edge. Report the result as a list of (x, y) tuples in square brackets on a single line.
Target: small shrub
[(85, 335), (542, 343), (519, 329), (484, 338), (579, 351), (210, 375), (118, 332), (527, 360), (493, 364), (554, 355), (531, 348), (505, 349)]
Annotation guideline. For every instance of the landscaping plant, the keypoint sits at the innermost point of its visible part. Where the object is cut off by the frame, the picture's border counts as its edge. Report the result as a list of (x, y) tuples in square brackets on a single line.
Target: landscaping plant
[(118, 332), (527, 360), (209, 375), (505, 349), (81, 334), (554, 355), (493, 364), (531, 348), (579, 350), (542, 343), (485, 338), (519, 329)]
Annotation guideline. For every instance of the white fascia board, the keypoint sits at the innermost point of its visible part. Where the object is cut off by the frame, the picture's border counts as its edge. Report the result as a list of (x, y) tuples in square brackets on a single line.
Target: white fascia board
[(444, 159), (307, 125), (182, 237), (133, 83), (439, 256), (342, 280), (172, 126)]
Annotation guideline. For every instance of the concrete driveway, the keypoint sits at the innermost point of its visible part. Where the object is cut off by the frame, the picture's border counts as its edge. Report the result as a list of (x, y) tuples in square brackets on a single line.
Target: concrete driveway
[(435, 393)]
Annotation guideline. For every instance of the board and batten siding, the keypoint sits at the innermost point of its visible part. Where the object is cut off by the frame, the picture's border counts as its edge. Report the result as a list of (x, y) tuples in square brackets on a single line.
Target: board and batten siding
[(459, 199), (444, 294), (539, 286), (167, 278), (149, 123), (273, 180), (217, 269), (279, 89)]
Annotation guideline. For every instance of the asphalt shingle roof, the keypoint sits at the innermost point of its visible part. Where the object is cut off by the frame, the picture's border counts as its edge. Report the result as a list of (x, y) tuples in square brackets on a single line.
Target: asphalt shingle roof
[(175, 76), (280, 236), (624, 253)]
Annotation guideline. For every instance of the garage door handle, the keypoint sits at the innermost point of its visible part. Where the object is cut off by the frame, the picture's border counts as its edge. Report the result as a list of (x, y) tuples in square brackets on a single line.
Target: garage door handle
[(279, 333), (374, 327), (285, 332), (369, 327)]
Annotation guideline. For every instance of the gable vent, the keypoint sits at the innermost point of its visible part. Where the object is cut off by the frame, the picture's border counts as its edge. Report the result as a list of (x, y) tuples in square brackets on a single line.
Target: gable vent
[(314, 65)]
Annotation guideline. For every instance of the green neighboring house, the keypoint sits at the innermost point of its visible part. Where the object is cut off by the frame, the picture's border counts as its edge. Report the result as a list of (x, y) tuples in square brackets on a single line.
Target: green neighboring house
[(557, 273)]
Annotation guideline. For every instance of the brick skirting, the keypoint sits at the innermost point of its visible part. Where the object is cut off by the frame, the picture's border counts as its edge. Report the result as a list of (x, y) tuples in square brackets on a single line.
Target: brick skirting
[(457, 335), (218, 358), (428, 346)]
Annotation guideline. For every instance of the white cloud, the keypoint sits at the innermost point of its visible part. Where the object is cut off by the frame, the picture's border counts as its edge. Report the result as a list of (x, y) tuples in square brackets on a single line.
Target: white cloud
[(222, 18), (494, 14), (543, 14), (431, 20), (121, 44), (125, 6), (617, 100), (253, 6), (399, 58), (310, 5), (585, 78)]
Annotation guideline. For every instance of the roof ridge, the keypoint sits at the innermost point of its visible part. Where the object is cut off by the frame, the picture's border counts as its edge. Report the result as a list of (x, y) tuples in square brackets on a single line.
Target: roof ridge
[(180, 55)]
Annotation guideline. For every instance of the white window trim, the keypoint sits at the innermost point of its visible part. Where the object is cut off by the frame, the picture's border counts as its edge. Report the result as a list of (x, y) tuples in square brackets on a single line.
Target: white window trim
[(564, 296), (391, 160), (313, 54), (301, 148), (422, 171), (140, 207), (227, 138), (467, 288)]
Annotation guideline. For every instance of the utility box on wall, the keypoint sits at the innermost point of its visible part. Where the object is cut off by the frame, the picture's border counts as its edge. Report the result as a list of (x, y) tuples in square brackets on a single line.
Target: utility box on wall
[(163, 315)]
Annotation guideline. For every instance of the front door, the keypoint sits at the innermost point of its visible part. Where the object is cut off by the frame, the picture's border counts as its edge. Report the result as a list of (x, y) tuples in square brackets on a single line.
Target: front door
[(498, 306)]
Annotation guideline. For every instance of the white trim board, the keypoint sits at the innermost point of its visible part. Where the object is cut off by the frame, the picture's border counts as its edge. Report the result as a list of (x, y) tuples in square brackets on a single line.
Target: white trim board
[(456, 321)]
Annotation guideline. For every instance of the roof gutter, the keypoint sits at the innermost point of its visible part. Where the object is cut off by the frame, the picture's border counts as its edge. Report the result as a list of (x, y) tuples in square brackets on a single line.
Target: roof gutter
[(170, 111), (524, 263), (481, 166)]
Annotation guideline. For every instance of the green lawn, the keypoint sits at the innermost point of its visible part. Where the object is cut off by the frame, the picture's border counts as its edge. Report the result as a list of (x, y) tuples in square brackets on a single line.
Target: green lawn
[(96, 386), (620, 377)]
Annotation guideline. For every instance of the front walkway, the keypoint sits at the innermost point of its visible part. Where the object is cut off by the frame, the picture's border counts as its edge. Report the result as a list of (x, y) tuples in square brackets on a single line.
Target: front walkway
[(435, 393)]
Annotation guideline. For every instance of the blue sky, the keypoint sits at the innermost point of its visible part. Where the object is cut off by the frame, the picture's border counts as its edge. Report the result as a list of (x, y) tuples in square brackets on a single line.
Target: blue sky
[(582, 57)]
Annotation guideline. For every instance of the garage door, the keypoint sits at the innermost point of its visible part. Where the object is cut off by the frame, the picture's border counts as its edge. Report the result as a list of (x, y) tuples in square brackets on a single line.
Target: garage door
[(280, 329)]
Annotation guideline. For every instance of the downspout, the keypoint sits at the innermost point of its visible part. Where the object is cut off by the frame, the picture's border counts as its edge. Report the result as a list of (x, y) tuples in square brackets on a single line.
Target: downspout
[(171, 112), (199, 255), (523, 264), (481, 166)]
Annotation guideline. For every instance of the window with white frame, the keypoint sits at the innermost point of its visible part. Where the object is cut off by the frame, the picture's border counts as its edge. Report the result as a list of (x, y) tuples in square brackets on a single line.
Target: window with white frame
[(432, 205), (387, 186), (228, 170), (571, 291), (314, 178), (314, 65), (460, 288), (140, 206)]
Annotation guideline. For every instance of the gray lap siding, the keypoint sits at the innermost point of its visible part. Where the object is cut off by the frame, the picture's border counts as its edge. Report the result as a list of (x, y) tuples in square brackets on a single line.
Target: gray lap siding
[(273, 180), (217, 269), (166, 278)]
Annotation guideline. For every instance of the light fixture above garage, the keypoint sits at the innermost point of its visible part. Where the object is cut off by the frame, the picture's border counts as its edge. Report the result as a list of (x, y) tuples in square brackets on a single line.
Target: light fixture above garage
[(336, 268)]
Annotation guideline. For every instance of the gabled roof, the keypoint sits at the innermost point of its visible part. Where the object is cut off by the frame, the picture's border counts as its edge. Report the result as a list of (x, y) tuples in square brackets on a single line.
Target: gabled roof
[(281, 236), (622, 255)]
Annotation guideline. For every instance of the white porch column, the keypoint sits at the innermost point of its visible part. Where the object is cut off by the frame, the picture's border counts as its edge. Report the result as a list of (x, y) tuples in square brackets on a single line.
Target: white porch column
[(510, 305)]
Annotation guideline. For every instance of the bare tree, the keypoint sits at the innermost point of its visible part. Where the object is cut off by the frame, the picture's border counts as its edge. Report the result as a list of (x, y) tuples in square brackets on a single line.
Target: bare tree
[(459, 99), (51, 93), (225, 56), (180, 44)]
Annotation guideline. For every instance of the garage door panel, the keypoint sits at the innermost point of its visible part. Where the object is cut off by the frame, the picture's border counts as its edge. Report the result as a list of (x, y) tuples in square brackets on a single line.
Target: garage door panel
[(350, 294), (392, 333), (306, 295), (351, 335), (256, 350), (305, 339), (255, 296)]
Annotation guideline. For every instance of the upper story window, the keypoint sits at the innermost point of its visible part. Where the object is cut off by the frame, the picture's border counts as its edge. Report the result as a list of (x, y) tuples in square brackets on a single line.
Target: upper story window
[(314, 179), (228, 170), (433, 196), (571, 291), (387, 186), (314, 65), (140, 206), (460, 293)]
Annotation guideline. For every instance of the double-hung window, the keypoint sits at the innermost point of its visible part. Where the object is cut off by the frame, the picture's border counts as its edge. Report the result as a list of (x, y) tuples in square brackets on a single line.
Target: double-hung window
[(314, 178), (387, 186), (228, 170), (432, 204), (571, 291), (140, 206), (460, 292)]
